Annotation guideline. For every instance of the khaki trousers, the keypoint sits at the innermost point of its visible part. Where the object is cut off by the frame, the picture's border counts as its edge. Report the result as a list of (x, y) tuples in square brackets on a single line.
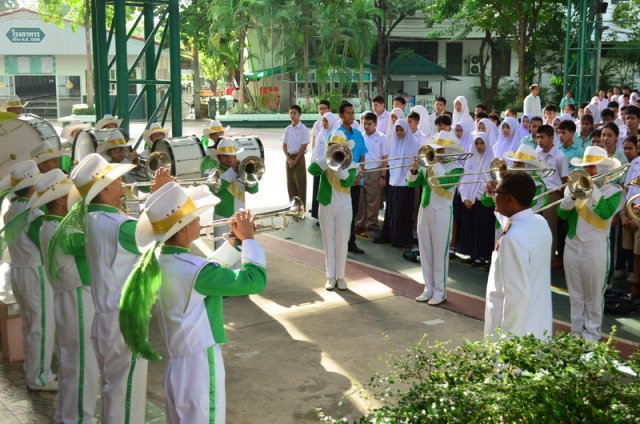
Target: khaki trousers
[(297, 180), (370, 195)]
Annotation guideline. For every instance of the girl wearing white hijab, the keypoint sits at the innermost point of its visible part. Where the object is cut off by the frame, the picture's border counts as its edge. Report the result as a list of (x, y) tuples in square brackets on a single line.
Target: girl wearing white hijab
[(396, 113), (463, 131), (328, 124), (508, 136), (397, 227), (477, 220), (461, 110), (592, 109), (424, 125), (525, 125), (489, 127)]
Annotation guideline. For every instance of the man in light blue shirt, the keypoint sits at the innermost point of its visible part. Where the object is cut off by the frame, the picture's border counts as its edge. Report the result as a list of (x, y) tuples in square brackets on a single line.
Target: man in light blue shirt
[(571, 149)]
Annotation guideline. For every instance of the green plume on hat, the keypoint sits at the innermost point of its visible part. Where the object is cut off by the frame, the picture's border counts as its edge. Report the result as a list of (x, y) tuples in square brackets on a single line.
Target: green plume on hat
[(138, 296)]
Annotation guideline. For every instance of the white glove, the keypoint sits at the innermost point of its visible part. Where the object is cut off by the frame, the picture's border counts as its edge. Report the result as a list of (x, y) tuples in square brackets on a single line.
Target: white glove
[(322, 163), (343, 174)]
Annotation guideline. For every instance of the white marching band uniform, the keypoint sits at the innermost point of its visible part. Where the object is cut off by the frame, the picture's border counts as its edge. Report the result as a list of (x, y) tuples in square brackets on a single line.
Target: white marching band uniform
[(124, 377), (518, 296), (30, 287)]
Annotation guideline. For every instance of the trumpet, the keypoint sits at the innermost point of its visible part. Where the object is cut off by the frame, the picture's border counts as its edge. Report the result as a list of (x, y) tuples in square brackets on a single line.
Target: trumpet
[(295, 211), (581, 184), (250, 171), (427, 156), (338, 157)]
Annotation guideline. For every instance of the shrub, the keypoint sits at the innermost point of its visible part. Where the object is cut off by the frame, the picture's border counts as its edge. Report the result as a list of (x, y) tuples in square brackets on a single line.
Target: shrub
[(83, 109), (513, 380)]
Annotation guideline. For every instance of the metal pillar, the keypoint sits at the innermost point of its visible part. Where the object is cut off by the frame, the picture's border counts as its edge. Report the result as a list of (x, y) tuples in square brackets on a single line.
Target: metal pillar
[(162, 26), (582, 49)]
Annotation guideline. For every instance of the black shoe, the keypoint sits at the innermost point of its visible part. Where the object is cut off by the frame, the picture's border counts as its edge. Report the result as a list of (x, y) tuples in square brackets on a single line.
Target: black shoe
[(412, 255), (353, 248)]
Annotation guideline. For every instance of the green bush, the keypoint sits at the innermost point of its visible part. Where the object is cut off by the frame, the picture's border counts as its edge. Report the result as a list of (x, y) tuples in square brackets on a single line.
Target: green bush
[(83, 109), (513, 380)]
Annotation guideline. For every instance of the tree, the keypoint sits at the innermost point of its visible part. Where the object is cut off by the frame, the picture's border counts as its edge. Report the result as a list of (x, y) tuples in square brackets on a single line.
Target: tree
[(7, 5), (391, 13), (530, 27)]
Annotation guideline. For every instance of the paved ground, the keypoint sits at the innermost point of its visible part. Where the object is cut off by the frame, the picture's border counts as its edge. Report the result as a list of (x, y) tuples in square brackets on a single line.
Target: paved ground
[(297, 347)]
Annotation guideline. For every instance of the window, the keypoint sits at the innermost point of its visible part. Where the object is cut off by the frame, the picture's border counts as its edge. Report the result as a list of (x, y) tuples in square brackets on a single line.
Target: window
[(454, 58), (501, 61)]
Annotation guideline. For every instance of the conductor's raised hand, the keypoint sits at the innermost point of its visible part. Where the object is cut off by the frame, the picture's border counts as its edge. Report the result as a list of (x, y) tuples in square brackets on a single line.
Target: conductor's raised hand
[(163, 176), (243, 224)]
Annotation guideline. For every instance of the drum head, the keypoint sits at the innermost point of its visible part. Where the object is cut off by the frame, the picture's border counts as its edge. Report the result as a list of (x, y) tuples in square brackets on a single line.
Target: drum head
[(252, 147), (186, 155), (84, 144), (17, 138), (46, 130)]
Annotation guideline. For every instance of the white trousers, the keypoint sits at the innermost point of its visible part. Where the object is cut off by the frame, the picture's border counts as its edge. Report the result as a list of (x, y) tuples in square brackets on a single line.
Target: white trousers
[(35, 297), (124, 379), (78, 375), (334, 229), (434, 235), (585, 268), (193, 385)]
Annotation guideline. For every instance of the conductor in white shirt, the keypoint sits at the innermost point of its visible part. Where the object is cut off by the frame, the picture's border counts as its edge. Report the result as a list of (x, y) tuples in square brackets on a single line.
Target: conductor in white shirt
[(532, 104), (518, 298)]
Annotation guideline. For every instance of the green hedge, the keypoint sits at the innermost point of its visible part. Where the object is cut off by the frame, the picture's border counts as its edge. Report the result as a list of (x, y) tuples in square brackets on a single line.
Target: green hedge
[(513, 380)]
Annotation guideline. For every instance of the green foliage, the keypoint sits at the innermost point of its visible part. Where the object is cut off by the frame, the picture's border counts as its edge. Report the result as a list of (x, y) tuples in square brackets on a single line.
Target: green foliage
[(83, 109), (513, 380)]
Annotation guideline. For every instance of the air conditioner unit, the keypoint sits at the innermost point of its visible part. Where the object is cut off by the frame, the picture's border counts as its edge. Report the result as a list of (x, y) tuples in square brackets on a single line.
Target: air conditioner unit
[(474, 65)]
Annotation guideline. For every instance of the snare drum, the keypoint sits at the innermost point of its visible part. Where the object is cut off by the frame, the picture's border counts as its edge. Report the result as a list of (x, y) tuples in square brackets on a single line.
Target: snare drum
[(252, 146), (19, 136), (186, 154), (86, 142)]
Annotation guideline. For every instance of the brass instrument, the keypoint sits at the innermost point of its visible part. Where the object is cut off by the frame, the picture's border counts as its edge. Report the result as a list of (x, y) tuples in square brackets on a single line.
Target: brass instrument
[(250, 171), (295, 211), (580, 183), (213, 181), (338, 157), (496, 168), (631, 211), (427, 156), (148, 167)]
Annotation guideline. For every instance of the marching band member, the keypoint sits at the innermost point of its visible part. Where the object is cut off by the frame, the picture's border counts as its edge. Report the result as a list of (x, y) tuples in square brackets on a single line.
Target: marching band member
[(586, 248), (13, 104), (108, 122), (436, 216), (334, 212), (212, 134), (232, 191), (71, 130), (518, 298), (525, 157), (190, 292), (109, 242), (28, 280), (48, 157), (78, 376), (116, 149), (153, 133)]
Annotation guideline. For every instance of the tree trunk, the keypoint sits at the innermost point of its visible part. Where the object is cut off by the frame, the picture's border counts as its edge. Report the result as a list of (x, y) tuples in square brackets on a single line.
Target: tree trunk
[(361, 82), (483, 71), (307, 73), (241, 41), (87, 38), (522, 47), (196, 82), (381, 48)]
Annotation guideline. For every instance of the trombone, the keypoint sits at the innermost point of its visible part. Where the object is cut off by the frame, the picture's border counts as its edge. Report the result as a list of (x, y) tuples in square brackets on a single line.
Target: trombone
[(427, 156), (338, 157), (580, 183), (295, 211), (496, 168)]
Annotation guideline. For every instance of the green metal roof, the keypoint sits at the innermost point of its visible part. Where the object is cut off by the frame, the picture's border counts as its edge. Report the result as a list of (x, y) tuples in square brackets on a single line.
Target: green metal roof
[(262, 73), (416, 65)]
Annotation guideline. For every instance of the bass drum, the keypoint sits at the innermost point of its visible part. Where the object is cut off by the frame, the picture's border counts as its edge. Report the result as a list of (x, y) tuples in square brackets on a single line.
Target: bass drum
[(18, 136), (186, 154), (252, 146), (86, 142)]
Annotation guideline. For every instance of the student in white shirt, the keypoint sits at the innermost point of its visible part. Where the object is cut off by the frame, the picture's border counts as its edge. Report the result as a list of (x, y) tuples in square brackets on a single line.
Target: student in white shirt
[(532, 105), (294, 145)]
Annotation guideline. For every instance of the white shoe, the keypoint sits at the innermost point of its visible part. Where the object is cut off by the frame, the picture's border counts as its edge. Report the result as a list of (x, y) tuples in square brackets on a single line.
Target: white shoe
[(330, 284), (435, 301), (423, 297), (632, 278), (52, 386), (341, 284)]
